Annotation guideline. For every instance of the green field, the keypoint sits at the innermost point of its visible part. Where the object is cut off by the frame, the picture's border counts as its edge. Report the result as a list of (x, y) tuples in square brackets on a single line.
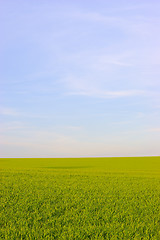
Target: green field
[(85, 198)]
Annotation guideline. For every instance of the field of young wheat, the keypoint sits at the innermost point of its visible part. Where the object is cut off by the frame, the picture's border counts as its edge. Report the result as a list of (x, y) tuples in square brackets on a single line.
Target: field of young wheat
[(114, 198)]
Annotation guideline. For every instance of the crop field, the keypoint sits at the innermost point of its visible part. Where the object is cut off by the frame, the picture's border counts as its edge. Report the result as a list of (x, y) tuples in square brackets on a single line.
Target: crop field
[(85, 198)]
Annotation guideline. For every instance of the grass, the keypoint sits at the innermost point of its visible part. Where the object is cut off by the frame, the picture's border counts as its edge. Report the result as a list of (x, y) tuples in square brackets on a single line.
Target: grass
[(92, 198)]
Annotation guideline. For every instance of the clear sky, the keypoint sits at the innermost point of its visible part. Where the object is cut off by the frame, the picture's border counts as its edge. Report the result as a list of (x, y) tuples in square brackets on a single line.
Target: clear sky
[(79, 78)]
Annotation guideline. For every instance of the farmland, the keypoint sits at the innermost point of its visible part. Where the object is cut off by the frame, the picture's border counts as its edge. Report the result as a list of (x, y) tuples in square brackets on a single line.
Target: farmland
[(88, 198)]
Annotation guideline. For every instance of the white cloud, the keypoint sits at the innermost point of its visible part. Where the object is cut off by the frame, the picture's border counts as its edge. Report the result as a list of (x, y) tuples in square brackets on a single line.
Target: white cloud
[(8, 111), (154, 130), (49, 145), (12, 126), (109, 94)]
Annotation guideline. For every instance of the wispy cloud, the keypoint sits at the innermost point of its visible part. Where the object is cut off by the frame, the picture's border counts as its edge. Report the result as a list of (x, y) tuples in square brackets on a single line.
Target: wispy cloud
[(133, 24), (8, 111), (65, 61), (11, 112), (45, 144), (12, 126), (139, 6), (154, 130), (110, 94), (94, 88)]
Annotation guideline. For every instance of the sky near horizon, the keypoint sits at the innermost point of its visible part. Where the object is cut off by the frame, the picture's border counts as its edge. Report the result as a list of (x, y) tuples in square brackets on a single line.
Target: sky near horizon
[(79, 78)]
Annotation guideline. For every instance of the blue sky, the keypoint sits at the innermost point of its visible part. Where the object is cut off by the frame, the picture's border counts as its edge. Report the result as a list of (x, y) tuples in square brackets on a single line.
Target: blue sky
[(79, 78)]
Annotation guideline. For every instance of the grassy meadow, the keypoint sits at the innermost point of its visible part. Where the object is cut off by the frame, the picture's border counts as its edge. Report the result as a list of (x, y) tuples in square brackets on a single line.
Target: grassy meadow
[(85, 198)]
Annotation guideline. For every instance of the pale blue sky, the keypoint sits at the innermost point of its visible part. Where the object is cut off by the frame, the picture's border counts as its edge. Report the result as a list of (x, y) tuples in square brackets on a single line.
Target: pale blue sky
[(79, 78)]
